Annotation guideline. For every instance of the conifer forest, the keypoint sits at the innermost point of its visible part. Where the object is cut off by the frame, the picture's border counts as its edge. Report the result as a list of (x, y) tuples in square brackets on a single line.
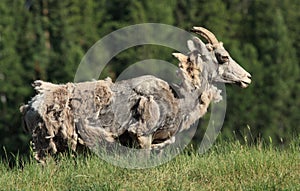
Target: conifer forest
[(47, 39)]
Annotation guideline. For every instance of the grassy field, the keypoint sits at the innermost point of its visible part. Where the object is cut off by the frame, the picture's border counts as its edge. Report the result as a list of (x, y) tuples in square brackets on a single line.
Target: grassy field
[(227, 166)]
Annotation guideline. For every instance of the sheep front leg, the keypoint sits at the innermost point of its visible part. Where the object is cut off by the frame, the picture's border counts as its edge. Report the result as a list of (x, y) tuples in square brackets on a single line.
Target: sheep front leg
[(145, 144), (162, 145), (145, 141)]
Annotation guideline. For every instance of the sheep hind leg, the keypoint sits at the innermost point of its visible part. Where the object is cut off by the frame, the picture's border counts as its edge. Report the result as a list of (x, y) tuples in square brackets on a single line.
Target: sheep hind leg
[(95, 138)]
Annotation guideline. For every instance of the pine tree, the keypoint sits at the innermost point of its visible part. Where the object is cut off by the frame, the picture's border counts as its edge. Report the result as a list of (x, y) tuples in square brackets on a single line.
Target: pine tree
[(134, 12), (13, 88), (280, 69)]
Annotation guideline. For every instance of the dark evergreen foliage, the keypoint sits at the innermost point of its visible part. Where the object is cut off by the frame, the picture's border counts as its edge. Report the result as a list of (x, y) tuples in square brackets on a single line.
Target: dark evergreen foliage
[(47, 40)]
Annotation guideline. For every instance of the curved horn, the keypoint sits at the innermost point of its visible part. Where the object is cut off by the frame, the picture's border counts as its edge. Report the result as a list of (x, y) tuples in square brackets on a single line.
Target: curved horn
[(206, 34)]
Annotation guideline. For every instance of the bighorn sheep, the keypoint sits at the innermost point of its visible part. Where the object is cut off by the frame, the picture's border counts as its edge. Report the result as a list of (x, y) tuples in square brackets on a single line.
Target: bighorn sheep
[(145, 110)]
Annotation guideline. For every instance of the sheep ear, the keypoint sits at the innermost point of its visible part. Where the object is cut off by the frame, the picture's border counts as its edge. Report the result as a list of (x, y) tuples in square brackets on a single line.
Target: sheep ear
[(180, 57), (191, 45)]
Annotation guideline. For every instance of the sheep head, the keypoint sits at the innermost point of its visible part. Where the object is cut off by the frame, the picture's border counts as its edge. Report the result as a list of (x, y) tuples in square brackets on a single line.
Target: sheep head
[(220, 66)]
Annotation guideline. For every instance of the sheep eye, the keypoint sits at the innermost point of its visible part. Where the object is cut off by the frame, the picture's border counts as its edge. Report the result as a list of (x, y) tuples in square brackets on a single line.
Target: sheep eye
[(225, 58), (222, 58)]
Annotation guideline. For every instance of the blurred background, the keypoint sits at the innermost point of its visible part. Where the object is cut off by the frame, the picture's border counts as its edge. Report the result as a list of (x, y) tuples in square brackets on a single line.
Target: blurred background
[(46, 39)]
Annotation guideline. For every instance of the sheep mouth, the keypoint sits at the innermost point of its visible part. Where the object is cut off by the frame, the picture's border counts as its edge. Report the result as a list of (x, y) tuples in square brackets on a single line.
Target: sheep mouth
[(243, 84)]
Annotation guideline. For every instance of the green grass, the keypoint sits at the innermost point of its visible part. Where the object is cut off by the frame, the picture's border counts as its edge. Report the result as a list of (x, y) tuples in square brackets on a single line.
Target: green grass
[(227, 166)]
